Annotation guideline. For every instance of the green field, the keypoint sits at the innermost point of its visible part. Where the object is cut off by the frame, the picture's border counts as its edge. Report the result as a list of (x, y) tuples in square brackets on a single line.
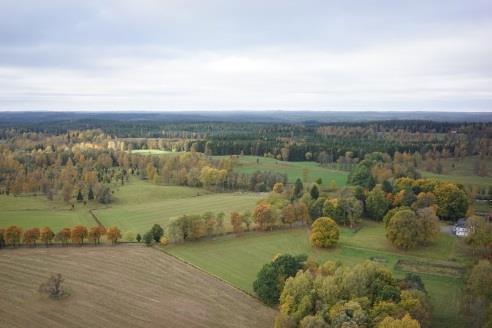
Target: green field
[(238, 259), (150, 151), (136, 207), (294, 170), (37, 211), (139, 218)]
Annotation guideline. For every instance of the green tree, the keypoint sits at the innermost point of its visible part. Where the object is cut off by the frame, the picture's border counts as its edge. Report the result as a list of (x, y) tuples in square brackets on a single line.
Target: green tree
[(405, 322), (271, 278), (298, 189), (314, 191), (376, 204), (157, 232), (138, 238), (324, 233), (452, 202), (148, 238), (403, 229)]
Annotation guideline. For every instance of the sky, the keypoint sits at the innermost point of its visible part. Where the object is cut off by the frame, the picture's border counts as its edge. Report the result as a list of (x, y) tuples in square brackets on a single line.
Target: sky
[(246, 55)]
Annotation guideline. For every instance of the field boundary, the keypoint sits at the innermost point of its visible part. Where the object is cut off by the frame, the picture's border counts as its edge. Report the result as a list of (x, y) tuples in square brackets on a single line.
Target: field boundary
[(95, 217), (160, 249)]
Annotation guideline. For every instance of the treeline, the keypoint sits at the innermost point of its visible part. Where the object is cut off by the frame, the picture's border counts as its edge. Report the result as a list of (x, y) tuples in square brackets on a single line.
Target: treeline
[(15, 236), (283, 140)]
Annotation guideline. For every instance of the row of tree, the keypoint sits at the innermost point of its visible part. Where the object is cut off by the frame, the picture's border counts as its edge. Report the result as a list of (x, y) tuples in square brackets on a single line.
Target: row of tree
[(15, 236)]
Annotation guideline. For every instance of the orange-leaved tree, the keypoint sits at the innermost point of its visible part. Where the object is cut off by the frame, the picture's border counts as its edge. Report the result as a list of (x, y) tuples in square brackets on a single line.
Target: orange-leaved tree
[(237, 222), (13, 235), (78, 234), (264, 216), (113, 234), (31, 236), (47, 235)]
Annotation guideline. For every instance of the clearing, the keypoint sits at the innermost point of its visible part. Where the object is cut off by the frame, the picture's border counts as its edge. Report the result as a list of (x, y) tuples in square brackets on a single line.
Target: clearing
[(122, 286)]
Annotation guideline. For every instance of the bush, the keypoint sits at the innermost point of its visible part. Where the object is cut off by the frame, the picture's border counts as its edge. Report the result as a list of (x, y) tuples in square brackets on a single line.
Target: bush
[(324, 233)]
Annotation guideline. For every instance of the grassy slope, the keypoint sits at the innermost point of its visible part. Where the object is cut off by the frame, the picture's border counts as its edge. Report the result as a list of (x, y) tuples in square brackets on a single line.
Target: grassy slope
[(238, 259), (294, 170), (123, 286)]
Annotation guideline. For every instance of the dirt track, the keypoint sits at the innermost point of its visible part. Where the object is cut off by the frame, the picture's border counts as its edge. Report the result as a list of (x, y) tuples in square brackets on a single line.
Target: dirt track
[(122, 286)]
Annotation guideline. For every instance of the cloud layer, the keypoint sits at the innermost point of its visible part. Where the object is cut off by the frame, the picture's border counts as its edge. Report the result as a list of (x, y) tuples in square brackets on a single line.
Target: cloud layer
[(245, 55)]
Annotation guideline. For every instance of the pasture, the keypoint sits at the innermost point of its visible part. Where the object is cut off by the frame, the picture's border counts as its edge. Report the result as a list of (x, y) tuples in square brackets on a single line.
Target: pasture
[(122, 286), (294, 170), (238, 259)]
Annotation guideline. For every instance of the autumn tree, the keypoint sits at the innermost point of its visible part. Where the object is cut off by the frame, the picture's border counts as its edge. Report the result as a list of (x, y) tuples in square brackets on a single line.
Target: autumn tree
[(78, 234), (452, 202), (278, 188), (288, 214), (263, 216), (31, 236), (64, 235), (405, 322), (236, 223), (13, 235), (302, 213), (403, 230), (47, 235), (324, 233), (95, 234), (113, 234)]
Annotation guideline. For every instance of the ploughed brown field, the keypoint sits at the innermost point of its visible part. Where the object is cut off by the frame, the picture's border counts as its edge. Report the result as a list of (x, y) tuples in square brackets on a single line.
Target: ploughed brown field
[(122, 286)]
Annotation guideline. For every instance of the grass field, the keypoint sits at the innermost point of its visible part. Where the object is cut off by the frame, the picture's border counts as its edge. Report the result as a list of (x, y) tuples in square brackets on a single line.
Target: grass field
[(294, 170), (238, 259), (136, 207), (461, 171), (150, 151), (140, 217), (123, 286), (37, 211)]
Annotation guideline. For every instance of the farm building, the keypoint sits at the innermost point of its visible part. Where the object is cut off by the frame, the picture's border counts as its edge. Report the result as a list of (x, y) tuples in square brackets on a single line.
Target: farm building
[(460, 229)]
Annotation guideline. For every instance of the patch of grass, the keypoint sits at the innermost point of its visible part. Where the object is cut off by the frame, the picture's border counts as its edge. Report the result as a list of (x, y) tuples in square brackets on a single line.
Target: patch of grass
[(238, 259), (294, 170)]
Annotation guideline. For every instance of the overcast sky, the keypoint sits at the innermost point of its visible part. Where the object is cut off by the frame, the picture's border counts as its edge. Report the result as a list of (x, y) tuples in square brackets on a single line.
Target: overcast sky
[(246, 55)]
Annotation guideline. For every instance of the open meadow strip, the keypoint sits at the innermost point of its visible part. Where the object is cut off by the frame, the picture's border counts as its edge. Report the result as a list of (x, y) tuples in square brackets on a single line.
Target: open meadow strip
[(123, 286)]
